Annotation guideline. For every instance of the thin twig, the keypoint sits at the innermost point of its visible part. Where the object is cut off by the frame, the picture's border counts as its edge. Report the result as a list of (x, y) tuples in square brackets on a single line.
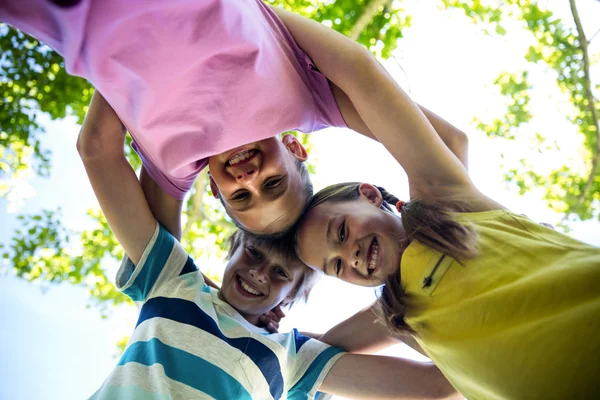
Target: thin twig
[(196, 213), (593, 36), (371, 10), (404, 72), (583, 45)]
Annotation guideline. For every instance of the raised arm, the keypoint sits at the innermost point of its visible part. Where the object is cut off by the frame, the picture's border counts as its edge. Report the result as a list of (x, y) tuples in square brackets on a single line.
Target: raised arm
[(386, 110), (100, 145)]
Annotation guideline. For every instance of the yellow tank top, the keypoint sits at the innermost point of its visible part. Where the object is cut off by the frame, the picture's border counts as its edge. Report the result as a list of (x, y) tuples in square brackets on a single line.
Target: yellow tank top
[(520, 321)]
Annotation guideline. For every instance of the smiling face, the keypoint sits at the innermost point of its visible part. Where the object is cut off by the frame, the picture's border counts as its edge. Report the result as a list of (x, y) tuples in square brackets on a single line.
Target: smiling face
[(354, 240), (258, 278), (260, 184)]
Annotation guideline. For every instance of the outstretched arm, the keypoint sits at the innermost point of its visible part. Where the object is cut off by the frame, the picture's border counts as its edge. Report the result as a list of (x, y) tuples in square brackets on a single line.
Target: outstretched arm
[(386, 110), (100, 145), (380, 377), (365, 333)]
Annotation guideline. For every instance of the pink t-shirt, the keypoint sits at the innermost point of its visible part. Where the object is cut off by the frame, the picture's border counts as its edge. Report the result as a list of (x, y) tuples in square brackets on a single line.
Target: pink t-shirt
[(188, 78)]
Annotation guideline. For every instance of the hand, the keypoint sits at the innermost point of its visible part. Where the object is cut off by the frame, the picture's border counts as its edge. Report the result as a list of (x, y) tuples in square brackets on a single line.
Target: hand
[(546, 224), (270, 320)]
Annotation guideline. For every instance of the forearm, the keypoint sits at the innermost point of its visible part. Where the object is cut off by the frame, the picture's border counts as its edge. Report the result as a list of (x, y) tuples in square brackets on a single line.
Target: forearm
[(379, 377), (363, 333)]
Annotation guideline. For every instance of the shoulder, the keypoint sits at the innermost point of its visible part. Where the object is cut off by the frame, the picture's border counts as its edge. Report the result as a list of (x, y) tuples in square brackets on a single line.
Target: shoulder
[(163, 259)]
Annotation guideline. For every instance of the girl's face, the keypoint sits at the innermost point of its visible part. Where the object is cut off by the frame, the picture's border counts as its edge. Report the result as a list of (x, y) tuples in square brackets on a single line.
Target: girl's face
[(259, 183), (258, 279), (356, 240)]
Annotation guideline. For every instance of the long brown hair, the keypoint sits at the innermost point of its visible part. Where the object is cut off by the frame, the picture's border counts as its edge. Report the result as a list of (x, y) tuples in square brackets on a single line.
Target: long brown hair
[(428, 221)]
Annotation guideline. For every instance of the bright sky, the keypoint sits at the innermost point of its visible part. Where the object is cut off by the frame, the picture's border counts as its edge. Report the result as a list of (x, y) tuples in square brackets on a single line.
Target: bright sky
[(53, 347)]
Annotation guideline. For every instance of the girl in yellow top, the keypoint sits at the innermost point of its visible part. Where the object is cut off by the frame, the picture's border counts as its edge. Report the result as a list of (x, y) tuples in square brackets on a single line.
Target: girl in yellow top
[(508, 309)]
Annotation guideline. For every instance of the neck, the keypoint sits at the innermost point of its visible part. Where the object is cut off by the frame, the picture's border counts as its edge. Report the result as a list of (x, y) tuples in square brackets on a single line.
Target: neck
[(253, 319)]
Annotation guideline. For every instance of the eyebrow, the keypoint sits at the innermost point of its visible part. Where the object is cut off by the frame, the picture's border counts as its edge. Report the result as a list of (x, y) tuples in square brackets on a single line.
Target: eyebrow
[(274, 197)]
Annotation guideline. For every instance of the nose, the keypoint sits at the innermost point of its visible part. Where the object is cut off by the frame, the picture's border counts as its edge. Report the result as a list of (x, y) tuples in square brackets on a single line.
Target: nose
[(353, 255), (258, 275), (245, 174)]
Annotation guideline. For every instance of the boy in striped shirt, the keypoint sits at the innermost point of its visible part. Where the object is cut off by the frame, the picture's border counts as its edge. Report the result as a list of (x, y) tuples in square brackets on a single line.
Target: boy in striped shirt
[(194, 341)]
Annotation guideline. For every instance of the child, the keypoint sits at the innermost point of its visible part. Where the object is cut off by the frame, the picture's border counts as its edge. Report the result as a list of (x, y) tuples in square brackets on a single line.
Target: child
[(507, 309), (192, 341), (200, 83)]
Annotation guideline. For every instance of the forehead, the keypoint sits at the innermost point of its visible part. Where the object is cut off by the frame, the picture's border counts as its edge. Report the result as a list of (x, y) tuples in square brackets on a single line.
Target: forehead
[(277, 252)]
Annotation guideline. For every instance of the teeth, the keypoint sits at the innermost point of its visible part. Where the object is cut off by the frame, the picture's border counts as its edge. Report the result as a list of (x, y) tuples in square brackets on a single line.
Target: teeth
[(249, 289), (241, 157), (374, 254)]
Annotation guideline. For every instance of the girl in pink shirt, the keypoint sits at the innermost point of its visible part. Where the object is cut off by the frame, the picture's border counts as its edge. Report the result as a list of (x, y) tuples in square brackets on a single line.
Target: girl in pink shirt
[(197, 83)]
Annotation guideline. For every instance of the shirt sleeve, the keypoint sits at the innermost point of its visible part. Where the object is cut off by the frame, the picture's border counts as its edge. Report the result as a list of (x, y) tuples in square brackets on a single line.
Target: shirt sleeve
[(327, 112), (312, 363), (176, 188), (162, 260)]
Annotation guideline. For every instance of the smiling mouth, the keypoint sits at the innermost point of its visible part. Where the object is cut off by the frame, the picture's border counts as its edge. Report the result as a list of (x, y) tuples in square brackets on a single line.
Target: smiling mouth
[(373, 257), (241, 158), (247, 288)]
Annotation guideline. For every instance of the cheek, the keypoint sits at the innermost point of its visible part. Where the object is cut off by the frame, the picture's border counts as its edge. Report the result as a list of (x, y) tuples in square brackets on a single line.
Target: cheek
[(280, 289)]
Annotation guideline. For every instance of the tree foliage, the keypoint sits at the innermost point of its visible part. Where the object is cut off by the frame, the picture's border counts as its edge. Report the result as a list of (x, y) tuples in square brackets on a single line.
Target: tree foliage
[(561, 47)]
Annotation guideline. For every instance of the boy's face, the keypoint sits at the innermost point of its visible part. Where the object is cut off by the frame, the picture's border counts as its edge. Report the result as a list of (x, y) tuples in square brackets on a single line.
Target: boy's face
[(260, 184), (258, 279)]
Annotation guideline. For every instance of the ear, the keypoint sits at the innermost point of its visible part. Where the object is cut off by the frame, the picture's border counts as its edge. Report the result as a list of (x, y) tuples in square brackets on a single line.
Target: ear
[(292, 143), (288, 299), (213, 186), (371, 193)]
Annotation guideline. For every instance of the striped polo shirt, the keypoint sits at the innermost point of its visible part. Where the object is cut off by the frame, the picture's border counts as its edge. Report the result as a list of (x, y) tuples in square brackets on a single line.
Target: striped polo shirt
[(189, 344)]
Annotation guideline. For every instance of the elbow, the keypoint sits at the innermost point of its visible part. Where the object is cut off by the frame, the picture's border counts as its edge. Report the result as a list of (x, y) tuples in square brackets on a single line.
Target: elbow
[(459, 145), (88, 148), (460, 140), (92, 147)]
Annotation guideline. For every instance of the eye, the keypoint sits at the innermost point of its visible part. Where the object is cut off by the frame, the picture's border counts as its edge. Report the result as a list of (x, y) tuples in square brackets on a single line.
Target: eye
[(342, 231), (280, 271), (240, 195), (273, 182), (338, 266), (254, 253)]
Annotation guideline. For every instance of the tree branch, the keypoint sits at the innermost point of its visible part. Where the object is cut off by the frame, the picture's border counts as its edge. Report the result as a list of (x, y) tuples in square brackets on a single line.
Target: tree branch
[(371, 10), (583, 45), (196, 214), (593, 36)]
